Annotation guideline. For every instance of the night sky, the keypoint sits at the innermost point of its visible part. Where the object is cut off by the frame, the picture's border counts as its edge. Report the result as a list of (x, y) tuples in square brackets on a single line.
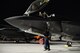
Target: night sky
[(62, 8)]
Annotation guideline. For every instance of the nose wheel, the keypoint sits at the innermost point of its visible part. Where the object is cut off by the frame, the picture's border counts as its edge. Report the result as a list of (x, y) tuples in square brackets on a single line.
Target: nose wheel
[(69, 43)]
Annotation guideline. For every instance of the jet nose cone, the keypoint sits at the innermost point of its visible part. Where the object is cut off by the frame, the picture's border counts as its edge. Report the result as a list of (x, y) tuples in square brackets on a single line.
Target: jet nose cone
[(14, 21), (23, 23)]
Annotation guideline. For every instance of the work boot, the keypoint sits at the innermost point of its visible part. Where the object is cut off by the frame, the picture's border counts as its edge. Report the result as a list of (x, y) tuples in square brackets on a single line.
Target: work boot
[(48, 49)]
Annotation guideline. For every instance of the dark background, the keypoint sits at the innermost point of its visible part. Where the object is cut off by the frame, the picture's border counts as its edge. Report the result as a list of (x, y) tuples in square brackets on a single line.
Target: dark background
[(64, 10), (67, 9)]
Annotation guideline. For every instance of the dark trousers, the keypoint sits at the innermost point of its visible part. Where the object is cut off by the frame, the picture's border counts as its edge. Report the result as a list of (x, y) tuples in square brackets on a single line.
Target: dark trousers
[(46, 46)]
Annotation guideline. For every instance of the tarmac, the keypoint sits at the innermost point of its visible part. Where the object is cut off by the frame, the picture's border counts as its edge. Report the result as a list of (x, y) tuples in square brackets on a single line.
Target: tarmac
[(38, 48)]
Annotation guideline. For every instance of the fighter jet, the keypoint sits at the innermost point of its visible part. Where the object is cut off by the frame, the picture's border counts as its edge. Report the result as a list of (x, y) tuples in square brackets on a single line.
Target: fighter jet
[(27, 21), (36, 21)]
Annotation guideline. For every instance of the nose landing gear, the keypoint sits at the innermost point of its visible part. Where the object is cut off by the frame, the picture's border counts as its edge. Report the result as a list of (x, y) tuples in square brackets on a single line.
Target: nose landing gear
[(69, 43)]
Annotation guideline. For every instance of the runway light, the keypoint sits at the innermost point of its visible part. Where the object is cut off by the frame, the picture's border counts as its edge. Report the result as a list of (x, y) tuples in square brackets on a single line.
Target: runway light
[(66, 46)]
